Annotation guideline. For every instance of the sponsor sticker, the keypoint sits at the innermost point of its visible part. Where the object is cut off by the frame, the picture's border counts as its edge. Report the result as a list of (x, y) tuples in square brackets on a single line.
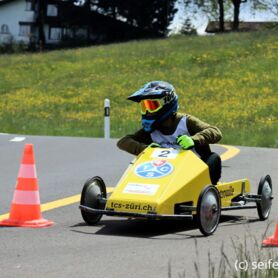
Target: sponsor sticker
[(139, 188), (154, 169)]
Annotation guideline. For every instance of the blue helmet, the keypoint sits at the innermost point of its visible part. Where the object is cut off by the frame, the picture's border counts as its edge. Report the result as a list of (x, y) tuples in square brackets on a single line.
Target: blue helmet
[(158, 101)]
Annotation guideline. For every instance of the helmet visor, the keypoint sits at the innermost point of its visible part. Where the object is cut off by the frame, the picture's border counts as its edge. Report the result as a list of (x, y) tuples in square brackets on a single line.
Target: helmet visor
[(151, 105)]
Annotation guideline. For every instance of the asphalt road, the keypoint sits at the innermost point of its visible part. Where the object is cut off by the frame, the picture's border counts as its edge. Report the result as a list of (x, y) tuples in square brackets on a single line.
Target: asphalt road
[(118, 247)]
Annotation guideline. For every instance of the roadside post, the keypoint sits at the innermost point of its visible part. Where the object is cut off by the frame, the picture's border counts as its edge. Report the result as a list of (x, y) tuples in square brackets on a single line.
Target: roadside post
[(106, 118)]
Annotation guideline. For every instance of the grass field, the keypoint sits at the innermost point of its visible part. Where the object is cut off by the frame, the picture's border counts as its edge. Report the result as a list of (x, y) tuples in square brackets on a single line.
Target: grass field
[(227, 80)]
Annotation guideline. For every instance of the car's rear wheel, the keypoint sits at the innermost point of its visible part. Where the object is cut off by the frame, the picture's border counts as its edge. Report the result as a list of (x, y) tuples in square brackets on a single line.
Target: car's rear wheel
[(93, 193), (265, 191), (208, 210)]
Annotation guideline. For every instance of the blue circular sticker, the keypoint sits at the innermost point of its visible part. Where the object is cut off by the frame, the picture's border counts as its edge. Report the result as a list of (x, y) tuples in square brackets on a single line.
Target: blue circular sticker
[(154, 169)]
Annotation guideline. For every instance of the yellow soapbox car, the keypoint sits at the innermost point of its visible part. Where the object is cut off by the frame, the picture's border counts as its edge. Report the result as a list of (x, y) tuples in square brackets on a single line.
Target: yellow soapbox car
[(172, 184)]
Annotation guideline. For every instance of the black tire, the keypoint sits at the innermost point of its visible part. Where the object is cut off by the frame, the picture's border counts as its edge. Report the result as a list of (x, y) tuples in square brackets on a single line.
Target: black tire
[(208, 210), (93, 190), (265, 190)]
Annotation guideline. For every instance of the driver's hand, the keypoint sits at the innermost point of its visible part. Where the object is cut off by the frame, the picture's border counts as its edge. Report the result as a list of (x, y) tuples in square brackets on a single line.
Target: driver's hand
[(154, 145), (185, 142)]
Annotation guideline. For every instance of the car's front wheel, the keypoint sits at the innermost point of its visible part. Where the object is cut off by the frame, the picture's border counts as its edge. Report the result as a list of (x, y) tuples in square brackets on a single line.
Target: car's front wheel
[(94, 191)]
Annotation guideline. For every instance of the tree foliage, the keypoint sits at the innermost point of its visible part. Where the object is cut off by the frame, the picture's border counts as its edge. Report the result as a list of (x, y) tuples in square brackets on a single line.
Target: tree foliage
[(270, 5)]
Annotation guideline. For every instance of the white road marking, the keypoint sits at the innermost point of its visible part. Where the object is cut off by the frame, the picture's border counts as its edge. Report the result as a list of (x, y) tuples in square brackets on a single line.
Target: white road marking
[(18, 139)]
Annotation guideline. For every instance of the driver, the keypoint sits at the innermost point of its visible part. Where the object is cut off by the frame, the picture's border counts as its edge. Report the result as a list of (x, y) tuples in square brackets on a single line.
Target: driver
[(163, 127)]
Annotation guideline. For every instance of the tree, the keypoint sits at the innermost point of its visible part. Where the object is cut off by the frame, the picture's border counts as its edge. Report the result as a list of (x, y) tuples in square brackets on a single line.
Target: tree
[(149, 15), (236, 4), (221, 15), (218, 9), (187, 28), (40, 19), (212, 8)]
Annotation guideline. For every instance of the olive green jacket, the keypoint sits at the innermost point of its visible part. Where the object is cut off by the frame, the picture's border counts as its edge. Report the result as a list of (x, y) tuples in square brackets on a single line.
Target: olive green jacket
[(202, 134)]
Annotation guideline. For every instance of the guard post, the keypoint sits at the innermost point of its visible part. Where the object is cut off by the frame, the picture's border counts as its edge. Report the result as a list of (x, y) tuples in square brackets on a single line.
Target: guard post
[(106, 118)]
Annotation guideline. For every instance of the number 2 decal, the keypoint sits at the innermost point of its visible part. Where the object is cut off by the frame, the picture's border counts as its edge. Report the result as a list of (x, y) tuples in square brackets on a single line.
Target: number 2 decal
[(166, 153)]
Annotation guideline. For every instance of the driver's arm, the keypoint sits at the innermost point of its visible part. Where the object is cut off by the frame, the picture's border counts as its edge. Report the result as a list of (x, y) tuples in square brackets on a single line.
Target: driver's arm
[(135, 143), (201, 132)]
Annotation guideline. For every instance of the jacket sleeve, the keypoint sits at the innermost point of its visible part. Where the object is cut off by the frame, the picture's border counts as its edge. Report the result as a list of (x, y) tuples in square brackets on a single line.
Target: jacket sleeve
[(135, 143), (201, 132)]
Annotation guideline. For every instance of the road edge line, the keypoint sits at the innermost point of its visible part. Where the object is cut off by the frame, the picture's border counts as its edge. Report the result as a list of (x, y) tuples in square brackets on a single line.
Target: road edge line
[(230, 153)]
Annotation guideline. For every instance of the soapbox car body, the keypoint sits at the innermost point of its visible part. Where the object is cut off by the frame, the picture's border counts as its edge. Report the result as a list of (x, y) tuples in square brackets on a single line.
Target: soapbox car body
[(172, 184)]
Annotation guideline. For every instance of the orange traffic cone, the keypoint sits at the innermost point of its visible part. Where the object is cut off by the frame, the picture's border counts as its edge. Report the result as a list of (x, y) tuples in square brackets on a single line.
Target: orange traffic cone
[(272, 241), (25, 208)]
